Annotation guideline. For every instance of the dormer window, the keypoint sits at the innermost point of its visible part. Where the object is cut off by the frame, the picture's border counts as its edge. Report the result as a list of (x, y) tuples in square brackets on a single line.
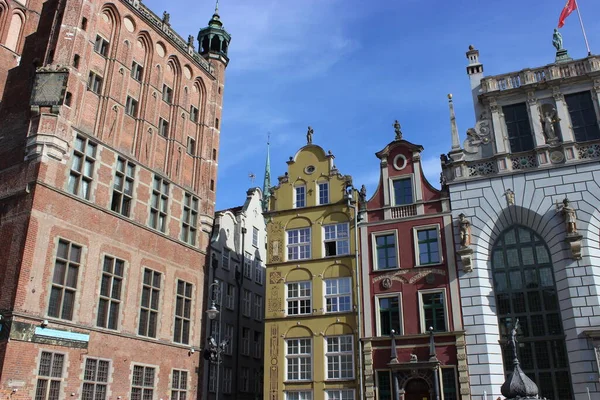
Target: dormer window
[(403, 193), (518, 127)]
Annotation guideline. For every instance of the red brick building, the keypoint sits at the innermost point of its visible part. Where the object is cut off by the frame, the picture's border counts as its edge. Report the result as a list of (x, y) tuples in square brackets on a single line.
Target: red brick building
[(410, 285), (109, 140)]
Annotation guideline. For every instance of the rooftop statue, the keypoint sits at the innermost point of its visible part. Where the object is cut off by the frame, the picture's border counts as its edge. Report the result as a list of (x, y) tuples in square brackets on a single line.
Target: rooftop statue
[(557, 40), (398, 130), (309, 135)]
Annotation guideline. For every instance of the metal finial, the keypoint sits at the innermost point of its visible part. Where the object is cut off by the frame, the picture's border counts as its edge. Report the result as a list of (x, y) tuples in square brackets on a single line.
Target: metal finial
[(217, 7)]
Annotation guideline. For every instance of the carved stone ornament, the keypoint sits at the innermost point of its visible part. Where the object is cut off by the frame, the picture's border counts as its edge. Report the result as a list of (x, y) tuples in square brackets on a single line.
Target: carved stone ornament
[(510, 197), (573, 238), (466, 258), (478, 136), (386, 283), (465, 251)]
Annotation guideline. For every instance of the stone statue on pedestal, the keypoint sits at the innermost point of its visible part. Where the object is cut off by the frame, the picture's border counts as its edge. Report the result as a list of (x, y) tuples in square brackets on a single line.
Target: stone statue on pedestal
[(570, 216), (557, 40), (397, 129), (309, 135), (464, 230), (549, 118)]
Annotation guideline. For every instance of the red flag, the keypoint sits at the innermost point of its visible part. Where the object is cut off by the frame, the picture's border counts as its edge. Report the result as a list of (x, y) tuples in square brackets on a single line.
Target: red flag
[(569, 8)]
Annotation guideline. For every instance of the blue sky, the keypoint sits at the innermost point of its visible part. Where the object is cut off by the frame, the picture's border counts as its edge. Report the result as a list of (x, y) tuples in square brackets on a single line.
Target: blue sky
[(349, 68)]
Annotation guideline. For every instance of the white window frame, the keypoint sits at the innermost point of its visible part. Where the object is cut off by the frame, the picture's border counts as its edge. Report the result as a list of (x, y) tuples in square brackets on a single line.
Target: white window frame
[(247, 303), (340, 394), (248, 265), (393, 192), (416, 230), (255, 236), (298, 299), (227, 379), (302, 395), (325, 186), (336, 239), (230, 297), (378, 315), (337, 356), (425, 329), (229, 329), (304, 248), (258, 272), (258, 308), (337, 295), (297, 193), (258, 345), (226, 258), (245, 380), (212, 378), (300, 357), (374, 257), (245, 342)]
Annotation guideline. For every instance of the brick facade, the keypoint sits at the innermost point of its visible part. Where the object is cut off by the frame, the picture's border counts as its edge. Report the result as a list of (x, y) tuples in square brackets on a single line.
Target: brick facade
[(82, 165)]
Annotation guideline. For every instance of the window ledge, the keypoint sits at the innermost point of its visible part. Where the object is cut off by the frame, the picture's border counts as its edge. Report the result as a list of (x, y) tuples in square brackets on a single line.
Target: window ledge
[(441, 263), (387, 270)]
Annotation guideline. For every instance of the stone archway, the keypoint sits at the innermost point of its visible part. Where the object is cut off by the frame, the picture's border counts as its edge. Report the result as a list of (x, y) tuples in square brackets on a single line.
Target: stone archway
[(417, 389)]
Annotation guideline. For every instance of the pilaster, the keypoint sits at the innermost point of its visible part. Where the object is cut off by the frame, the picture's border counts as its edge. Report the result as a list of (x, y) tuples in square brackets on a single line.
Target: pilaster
[(563, 115), (499, 140), (536, 123)]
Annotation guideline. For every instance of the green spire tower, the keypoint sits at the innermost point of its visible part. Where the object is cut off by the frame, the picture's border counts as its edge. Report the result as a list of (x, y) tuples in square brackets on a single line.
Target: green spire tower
[(267, 181)]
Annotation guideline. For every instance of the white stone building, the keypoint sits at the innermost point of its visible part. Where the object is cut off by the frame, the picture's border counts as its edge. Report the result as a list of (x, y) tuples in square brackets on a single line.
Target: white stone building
[(536, 141), (237, 254)]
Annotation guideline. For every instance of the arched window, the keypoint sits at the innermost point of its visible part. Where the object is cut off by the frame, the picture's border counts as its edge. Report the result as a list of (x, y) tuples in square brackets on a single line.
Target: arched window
[(525, 289), (14, 32)]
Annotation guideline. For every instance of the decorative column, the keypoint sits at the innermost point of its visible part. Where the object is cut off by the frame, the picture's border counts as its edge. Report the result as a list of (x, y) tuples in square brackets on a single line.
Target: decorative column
[(536, 120), (563, 113), (498, 127)]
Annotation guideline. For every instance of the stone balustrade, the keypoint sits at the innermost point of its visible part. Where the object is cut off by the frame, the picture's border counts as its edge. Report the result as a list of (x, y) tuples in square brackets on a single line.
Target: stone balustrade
[(548, 73), (408, 210)]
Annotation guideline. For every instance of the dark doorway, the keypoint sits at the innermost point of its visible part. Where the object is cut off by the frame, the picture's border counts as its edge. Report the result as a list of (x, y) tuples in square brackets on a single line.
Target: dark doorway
[(417, 389)]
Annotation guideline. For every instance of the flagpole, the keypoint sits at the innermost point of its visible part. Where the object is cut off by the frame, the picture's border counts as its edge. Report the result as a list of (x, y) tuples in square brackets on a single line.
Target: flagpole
[(587, 45)]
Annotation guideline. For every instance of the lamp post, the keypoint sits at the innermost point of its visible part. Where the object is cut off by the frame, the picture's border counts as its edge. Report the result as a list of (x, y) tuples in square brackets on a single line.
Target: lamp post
[(213, 351), (394, 360)]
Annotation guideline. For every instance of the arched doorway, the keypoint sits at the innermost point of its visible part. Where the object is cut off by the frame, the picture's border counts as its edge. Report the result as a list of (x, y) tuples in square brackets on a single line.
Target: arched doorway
[(524, 288), (417, 389)]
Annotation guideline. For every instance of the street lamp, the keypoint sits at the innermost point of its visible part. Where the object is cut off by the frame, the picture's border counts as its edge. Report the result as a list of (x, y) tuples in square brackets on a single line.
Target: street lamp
[(212, 352)]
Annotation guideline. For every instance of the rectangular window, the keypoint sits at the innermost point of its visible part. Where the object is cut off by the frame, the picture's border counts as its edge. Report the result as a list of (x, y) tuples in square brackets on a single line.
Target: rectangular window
[(248, 265), (247, 305), (258, 272), (82, 168), (191, 146), (298, 244), (254, 236), (218, 291), (229, 338), (583, 116), (109, 306), (193, 114), (137, 71), (390, 315), (230, 297), (150, 300), (384, 385), (298, 395), (245, 383), (179, 385), (183, 312), (433, 311), (258, 307), (403, 193), (163, 127), (217, 123), (299, 359), (189, 219), (159, 205), (340, 357), (428, 246), (337, 240), (212, 378), (324, 193), (95, 83), (123, 187), (95, 379), (449, 383), (257, 345), (227, 379), (142, 383), (215, 329), (226, 258), (386, 251), (131, 106), (50, 375), (298, 297), (343, 394), (64, 280), (167, 94), (518, 127), (258, 380), (338, 295), (300, 192), (246, 341), (101, 46)]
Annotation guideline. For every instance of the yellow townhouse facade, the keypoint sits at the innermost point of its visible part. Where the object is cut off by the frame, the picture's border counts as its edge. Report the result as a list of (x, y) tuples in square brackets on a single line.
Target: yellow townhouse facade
[(312, 306)]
